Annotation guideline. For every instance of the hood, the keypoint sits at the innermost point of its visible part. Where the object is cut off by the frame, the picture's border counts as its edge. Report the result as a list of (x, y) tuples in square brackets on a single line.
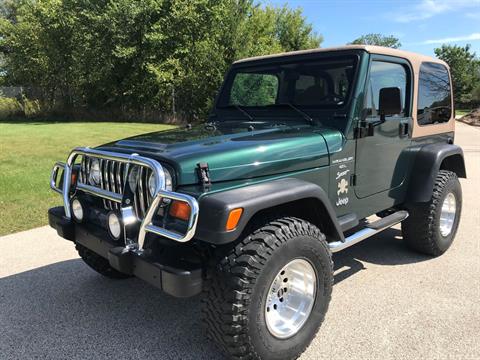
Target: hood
[(233, 152)]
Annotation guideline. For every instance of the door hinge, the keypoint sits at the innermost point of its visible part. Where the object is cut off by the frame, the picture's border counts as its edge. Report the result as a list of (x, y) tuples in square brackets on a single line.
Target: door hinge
[(353, 180), (204, 176)]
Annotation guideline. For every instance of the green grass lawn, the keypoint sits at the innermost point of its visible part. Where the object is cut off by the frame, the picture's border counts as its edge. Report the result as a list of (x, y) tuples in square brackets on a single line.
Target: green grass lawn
[(27, 154), (462, 112)]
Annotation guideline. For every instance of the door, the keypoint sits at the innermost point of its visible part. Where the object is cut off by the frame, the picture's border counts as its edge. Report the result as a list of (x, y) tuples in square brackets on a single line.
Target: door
[(380, 165)]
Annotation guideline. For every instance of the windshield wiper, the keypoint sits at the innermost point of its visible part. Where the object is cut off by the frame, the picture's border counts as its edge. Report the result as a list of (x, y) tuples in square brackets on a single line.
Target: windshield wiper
[(243, 111), (304, 115)]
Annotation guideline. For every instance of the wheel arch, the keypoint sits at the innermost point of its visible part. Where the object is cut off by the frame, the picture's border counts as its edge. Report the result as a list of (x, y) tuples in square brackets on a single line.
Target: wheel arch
[(284, 197), (454, 163), (310, 209), (429, 160)]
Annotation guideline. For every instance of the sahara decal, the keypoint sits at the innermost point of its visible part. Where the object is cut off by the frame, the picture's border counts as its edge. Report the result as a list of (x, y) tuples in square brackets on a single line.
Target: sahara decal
[(342, 185), (338, 161), (342, 189), (342, 173)]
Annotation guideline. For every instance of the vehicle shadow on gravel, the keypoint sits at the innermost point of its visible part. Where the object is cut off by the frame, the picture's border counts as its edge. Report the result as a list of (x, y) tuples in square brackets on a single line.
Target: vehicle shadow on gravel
[(385, 248), (65, 310)]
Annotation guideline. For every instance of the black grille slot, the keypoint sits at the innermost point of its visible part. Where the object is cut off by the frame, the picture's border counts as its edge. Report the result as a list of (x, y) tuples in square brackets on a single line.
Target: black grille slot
[(143, 199), (113, 177)]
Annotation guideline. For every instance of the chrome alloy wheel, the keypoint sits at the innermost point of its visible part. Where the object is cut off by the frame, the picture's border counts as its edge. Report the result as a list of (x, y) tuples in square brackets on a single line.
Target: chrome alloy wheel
[(290, 298), (447, 215)]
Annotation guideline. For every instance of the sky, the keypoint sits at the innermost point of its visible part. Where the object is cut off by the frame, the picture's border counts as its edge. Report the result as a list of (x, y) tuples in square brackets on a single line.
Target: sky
[(421, 25)]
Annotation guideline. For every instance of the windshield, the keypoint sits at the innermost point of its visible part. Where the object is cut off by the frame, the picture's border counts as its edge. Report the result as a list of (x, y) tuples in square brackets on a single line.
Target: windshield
[(306, 85)]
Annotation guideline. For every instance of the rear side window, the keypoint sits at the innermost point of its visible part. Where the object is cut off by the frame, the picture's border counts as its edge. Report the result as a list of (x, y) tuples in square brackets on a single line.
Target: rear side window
[(434, 94)]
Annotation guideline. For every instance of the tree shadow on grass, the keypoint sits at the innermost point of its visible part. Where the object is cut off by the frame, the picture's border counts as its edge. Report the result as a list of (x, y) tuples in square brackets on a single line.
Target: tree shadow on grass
[(31, 122)]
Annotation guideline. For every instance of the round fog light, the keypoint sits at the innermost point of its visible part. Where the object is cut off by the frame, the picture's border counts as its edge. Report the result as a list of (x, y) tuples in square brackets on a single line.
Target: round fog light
[(114, 226), (77, 209)]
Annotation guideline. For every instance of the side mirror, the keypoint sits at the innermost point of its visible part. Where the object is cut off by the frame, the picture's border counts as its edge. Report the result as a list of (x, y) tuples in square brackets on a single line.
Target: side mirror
[(390, 102)]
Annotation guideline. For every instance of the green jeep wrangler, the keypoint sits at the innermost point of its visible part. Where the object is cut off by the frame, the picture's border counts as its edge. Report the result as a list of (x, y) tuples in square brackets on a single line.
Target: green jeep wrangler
[(247, 208)]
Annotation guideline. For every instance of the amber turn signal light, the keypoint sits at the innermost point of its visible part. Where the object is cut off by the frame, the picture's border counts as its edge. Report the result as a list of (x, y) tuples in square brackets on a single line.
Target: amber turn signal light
[(233, 218), (74, 178), (180, 210)]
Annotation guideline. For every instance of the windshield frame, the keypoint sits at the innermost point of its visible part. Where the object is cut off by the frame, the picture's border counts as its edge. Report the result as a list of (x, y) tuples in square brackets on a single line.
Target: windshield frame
[(224, 93)]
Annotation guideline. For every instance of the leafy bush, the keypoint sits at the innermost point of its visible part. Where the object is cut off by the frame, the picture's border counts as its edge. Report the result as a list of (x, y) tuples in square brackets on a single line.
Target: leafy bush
[(9, 108), (13, 108), (31, 108)]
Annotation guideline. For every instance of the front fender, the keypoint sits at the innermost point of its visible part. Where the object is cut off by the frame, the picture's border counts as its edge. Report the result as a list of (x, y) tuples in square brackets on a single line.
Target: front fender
[(215, 208)]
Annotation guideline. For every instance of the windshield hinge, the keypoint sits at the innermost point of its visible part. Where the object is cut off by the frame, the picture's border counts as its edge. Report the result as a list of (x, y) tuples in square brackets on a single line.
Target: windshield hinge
[(360, 132), (364, 129), (204, 176)]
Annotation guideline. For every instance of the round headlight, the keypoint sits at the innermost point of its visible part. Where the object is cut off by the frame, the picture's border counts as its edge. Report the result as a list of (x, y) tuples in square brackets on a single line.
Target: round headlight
[(114, 225), (132, 178), (152, 184), (77, 210), (94, 173)]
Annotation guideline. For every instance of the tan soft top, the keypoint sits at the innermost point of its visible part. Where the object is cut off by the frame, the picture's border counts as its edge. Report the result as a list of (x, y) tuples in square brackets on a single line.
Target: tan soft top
[(381, 50), (415, 60)]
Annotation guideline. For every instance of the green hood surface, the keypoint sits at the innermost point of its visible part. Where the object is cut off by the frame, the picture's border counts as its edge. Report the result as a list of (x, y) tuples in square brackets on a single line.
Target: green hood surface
[(233, 152)]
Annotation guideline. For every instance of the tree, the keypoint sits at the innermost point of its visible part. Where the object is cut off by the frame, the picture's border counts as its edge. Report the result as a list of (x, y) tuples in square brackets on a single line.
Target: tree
[(379, 40), (476, 95), (139, 54), (465, 70), (293, 32)]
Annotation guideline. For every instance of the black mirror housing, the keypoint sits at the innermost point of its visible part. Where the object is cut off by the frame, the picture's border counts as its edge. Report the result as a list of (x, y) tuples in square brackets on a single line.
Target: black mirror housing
[(390, 101)]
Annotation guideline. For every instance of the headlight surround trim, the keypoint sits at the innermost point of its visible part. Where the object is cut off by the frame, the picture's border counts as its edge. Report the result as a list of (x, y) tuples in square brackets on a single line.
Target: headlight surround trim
[(168, 181)]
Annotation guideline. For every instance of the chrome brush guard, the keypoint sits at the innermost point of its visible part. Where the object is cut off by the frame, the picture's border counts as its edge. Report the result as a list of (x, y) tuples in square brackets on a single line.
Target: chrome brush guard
[(125, 199)]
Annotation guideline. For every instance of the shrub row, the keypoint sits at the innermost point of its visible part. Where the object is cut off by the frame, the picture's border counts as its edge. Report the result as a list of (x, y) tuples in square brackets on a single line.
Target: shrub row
[(11, 108)]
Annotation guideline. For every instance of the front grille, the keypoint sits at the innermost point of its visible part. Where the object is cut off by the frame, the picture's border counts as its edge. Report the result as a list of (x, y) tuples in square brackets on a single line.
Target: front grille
[(113, 178)]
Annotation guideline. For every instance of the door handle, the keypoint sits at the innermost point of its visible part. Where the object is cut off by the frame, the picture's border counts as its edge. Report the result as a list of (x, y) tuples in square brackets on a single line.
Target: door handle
[(403, 130)]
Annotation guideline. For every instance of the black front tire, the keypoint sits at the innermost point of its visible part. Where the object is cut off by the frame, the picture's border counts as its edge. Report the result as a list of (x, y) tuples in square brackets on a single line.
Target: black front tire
[(99, 264), (421, 230), (236, 290)]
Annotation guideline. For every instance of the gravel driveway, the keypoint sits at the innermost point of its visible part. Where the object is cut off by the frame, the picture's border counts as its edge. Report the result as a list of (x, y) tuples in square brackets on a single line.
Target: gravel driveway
[(388, 303)]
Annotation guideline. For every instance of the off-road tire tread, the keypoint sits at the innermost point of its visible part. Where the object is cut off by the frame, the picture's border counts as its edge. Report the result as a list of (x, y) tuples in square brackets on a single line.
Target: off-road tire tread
[(418, 229), (98, 263), (228, 288)]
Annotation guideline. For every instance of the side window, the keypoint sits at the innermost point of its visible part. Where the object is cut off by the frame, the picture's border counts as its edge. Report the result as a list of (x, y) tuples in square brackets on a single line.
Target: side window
[(434, 94), (251, 89), (385, 75)]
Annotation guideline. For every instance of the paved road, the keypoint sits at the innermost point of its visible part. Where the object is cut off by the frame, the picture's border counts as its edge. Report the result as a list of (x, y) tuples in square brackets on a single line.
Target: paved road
[(388, 303)]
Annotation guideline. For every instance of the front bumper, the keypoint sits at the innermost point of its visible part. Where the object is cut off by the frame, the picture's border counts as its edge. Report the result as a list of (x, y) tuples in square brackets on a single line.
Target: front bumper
[(111, 189), (180, 281)]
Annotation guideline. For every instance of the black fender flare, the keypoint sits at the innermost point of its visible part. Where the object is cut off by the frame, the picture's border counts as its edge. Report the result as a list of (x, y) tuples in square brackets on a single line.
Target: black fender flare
[(429, 160), (215, 208)]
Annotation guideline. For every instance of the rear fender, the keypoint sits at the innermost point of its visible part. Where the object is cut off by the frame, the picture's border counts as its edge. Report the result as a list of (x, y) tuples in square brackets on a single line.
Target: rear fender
[(429, 160)]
